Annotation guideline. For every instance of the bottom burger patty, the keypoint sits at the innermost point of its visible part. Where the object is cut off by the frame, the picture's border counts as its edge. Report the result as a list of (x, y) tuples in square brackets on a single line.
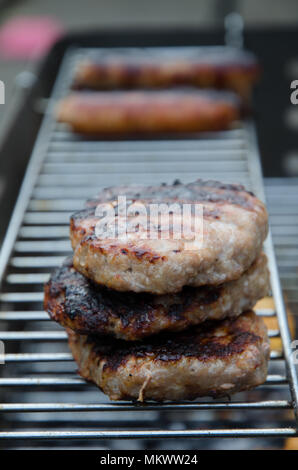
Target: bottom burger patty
[(214, 359)]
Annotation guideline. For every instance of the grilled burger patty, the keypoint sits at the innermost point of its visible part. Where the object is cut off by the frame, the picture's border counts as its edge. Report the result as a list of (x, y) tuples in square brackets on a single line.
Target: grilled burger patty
[(147, 112), (214, 359), (236, 70), (77, 303), (234, 227)]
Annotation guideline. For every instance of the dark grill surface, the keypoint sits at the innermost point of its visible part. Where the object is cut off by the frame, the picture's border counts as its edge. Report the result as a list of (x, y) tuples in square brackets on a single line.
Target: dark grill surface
[(43, 402)]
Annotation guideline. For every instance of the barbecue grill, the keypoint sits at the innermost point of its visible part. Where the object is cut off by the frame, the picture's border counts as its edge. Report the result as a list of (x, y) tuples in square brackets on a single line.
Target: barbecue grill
[(55, 406)]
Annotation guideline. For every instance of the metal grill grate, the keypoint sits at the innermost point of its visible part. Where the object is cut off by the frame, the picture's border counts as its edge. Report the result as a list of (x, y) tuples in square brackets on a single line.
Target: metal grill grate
[(282, 196), (41, 397)]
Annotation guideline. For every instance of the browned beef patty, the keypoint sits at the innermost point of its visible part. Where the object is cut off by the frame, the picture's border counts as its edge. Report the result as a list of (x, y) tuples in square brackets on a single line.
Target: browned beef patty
[(213, 359), (77, 303), (235, 224)]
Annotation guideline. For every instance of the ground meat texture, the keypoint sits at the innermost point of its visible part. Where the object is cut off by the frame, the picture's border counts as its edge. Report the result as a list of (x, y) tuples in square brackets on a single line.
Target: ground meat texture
[(235, 224), (214, 359), (77, 303)]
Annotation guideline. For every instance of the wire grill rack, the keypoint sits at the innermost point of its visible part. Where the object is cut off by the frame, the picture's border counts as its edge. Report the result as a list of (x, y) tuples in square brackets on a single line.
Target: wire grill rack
[(282, 196), (42, 399)]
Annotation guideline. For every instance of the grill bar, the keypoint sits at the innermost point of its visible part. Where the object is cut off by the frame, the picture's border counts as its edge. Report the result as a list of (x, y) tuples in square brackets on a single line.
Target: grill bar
[(57, 357), (24, 316), (61, 335), (38, 407), (33, 336), (167, 434), (36, 315), (62, 381)]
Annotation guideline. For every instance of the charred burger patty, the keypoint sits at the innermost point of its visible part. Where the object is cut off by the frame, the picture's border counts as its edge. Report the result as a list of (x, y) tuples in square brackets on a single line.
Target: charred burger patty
[(214, 359), (77, 303)]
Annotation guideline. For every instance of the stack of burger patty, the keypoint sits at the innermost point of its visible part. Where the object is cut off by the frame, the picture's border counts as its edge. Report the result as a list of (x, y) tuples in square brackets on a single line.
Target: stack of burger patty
[(150, 318)]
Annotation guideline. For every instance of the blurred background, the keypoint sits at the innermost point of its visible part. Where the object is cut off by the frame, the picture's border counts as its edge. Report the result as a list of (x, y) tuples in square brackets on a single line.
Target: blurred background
[(28, 29)]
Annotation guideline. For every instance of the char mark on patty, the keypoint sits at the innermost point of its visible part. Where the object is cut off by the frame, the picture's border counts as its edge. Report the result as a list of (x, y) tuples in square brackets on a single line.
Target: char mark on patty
[(209, 341)]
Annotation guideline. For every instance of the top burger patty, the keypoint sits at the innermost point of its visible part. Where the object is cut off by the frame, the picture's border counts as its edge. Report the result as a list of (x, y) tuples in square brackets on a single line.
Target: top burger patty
[(234, 223)]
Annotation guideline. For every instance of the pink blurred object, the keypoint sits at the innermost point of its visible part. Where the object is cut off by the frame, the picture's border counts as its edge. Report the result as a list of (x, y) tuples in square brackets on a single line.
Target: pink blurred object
[(28, 37)]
